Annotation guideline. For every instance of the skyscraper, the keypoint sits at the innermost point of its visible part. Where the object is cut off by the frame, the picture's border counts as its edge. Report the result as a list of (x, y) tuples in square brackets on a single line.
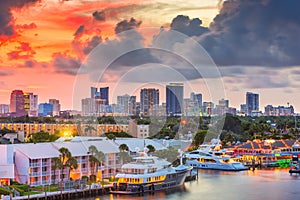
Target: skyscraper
[(174, 98), (94, 92), (104, 94), (45, 109), (123, 103), (17, 102), (224, 103), (56, 106), (132, 106), (149, 97), (252, 102), (31, 103)]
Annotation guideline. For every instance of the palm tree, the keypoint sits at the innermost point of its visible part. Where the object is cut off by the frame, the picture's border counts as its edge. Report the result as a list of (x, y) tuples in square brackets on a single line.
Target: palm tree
[(123, 147), (92, 159), (96, 158), (89, 128), (151, 148), (124, 153), (71, 164), (64, 156), (55, 164)]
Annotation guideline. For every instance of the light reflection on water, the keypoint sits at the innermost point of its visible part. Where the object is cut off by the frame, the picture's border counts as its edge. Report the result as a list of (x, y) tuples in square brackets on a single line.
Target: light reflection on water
[(214, 185)]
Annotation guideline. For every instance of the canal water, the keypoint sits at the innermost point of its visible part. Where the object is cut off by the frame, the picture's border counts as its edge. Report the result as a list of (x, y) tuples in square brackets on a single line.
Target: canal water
[(275, 184)]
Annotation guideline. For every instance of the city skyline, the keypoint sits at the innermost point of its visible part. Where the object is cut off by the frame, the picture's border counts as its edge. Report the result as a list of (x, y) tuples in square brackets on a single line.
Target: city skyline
[(33, 61), (27, 103)]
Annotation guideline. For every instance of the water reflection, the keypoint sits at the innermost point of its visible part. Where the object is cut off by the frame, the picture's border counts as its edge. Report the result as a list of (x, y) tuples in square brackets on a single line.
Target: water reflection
[(275, 184)]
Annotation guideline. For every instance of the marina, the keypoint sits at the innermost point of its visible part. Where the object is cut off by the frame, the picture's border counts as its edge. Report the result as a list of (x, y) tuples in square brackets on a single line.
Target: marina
[(212, 185)]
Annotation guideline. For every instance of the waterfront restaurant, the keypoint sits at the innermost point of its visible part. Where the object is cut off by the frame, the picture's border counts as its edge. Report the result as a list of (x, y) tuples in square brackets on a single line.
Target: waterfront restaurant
[(267, 151)]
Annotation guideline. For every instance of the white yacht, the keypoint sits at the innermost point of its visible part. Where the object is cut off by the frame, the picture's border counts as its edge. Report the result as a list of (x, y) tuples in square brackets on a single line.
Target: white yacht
[(210, 157), (149, 174)]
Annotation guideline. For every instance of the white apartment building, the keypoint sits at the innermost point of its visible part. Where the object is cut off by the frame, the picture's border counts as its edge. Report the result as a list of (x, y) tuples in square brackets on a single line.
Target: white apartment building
[(33, 161), (6, 164)]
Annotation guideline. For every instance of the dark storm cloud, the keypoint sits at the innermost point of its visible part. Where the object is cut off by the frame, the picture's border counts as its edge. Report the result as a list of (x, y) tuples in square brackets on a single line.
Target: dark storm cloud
[(99, 15), (6, 18), (262, 81), (65, 64), (127, 25), (92, 44), (255, 32), (79, 31), (190, 27)]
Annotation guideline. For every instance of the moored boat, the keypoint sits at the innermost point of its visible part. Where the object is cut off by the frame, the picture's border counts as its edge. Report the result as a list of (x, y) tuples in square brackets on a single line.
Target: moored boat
[(149, 174), (207, 157)]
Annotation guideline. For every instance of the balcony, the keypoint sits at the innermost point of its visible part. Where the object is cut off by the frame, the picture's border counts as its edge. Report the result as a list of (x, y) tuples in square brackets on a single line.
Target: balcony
[(45, 173), (45, 182), (84, 169), (34, 174), (45, 164), (35, 164), (35, 183)]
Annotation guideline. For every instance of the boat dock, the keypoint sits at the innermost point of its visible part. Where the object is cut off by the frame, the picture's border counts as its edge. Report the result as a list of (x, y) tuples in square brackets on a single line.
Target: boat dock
[(68, 194)]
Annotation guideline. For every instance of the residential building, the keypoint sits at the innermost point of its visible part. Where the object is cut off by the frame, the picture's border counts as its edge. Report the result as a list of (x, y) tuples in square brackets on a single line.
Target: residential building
[(104, 94), (56, 106), (17, 102), (4, 109), (279, 110), (174, 99), (208, 107), (138, 130), (31, 104), (252, 103), (45, 109), (31, 128), (123, 104), (7, 170), (149, 97), (132, 106), (88, 107), (33, 161)]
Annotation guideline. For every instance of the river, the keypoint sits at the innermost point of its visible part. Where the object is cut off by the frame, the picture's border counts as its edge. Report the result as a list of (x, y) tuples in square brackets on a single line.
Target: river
[(275, 184)]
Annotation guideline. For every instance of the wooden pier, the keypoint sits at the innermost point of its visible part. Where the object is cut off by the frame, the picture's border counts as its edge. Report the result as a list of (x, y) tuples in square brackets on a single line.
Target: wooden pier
[(68, 194)]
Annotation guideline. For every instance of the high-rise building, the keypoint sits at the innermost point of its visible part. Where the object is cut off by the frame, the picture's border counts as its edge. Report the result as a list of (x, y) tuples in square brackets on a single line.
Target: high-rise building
[(196, 98), (45, 109), (123, 103), (4, 108), (174, 99), (56, 106), (132, 106), (17, 102), (31, 103), (149, 98), (252, 102), (208, 107), (104, 94), (94, 92), (224, 103), (88, 106)]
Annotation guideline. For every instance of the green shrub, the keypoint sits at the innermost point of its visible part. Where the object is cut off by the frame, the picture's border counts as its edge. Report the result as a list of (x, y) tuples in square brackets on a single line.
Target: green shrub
[(4, 191)]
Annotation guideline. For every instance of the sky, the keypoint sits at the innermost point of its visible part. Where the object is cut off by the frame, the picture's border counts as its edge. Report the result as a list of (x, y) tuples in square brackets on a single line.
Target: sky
[(59, 48)]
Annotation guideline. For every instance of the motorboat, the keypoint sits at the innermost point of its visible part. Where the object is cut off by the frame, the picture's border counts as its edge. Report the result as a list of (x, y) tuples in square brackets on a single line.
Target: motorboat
[(210, 156), (149, 174)]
